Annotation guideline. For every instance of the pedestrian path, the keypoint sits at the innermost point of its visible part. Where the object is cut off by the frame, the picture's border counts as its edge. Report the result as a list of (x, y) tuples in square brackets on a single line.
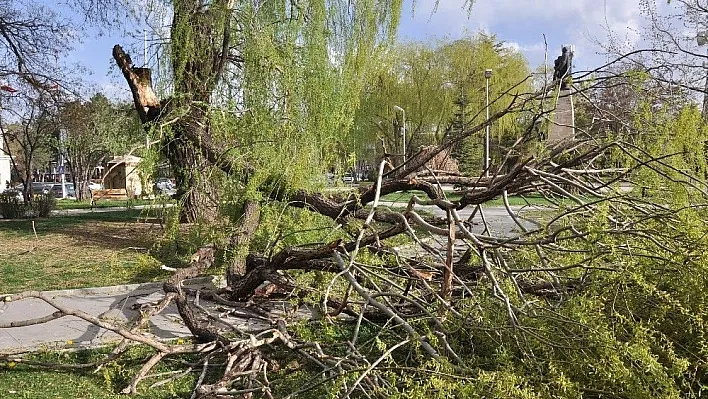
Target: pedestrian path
[(79, 211), (116, 304)]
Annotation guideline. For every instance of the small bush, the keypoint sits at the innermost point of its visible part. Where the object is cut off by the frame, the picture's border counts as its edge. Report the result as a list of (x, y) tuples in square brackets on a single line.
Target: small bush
[(43, 205), (10, 206)]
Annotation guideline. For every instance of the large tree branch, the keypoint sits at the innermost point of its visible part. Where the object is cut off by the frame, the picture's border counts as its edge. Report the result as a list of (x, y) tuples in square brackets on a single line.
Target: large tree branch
[(140, 82)]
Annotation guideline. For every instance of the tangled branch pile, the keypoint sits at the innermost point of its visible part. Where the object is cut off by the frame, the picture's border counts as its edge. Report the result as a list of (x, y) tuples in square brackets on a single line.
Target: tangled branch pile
[(600, 293)]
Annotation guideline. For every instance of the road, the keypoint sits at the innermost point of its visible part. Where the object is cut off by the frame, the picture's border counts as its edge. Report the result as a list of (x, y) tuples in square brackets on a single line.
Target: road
[(497, 217)]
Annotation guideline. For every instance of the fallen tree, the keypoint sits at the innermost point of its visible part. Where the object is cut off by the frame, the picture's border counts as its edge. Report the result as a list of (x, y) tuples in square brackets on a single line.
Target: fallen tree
[(591, 283), (597, 294)]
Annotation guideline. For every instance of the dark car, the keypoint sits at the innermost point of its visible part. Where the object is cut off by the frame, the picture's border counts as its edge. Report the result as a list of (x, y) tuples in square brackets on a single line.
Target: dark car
[(41, 188), (57, 191)]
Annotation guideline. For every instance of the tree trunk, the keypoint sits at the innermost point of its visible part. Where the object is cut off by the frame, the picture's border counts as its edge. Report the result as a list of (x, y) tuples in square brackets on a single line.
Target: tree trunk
[(194, 196), (198, 199), (240, 242), (200, 39), (27, 191), (177, 147), (80, 174)]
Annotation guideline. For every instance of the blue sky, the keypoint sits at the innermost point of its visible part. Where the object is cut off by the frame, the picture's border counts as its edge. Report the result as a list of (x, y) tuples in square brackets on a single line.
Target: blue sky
[(520, 23)]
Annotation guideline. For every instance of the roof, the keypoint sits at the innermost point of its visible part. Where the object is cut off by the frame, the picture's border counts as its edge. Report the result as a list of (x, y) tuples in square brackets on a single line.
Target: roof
[(127, 159)]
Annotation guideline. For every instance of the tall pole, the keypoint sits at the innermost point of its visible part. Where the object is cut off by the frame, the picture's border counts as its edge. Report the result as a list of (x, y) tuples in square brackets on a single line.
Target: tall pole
[(487, 75), (403, 129), (62, 143)]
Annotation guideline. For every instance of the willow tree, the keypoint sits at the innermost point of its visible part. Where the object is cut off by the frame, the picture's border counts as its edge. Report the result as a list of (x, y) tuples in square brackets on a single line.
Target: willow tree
[(468, 59), (428, 81), (410, 76), (251, 81)]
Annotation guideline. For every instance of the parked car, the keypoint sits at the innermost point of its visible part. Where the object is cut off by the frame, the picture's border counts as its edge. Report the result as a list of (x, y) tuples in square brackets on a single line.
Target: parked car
[(57, 190), (41, 187), (164, 185)]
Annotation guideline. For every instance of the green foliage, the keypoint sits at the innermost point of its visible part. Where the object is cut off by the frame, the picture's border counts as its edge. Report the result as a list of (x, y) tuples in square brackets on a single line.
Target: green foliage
[(636, 331), (10, 206), (679, 141), (283, 226), (428, 81), (288, 110), (95, 130), (43, 205)]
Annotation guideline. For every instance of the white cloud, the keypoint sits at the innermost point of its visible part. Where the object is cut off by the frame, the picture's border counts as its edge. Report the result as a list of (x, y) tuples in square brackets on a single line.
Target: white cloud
[(585, 23)]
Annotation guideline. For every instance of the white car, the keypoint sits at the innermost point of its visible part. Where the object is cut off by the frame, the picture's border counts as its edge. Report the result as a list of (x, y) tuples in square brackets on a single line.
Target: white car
[(164, 185)]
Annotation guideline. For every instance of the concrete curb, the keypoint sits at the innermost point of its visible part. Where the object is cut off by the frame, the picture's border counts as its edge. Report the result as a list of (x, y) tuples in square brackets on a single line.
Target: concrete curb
[(123, 289)]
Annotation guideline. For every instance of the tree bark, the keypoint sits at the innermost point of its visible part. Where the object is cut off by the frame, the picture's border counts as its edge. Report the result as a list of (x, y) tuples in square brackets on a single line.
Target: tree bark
[(240, 242), (178, 147)]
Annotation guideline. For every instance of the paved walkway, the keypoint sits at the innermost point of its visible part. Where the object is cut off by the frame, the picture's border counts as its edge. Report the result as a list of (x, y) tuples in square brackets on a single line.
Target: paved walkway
[(116, 304), (497, 217), (121, 303)]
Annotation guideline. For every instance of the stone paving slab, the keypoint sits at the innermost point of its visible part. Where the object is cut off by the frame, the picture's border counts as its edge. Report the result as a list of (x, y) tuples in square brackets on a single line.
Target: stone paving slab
[(112, 304)]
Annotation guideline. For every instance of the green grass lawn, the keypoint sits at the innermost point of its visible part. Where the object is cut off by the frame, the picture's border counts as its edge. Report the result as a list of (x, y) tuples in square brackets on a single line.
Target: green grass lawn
[(74, 204), (92, 249), (19, 381), (84, 250)]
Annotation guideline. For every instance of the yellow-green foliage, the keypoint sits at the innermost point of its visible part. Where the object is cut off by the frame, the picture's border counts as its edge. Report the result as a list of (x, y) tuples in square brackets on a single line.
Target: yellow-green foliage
[(678, 141), (290, 106), (426, 80)]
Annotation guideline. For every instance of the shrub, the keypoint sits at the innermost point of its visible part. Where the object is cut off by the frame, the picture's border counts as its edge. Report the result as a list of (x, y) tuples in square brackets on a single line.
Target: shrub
[(43, 205), (10, 206)]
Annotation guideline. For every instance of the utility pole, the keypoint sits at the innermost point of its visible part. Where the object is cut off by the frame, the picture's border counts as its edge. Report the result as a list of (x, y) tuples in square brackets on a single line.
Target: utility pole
[(403, 130), (62, 150), (487, 75)]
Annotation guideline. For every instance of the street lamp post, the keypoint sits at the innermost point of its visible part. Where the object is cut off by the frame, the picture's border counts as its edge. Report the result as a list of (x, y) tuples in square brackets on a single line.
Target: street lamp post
[(403, 130), (487, 75), (62, 146), (702, 39)]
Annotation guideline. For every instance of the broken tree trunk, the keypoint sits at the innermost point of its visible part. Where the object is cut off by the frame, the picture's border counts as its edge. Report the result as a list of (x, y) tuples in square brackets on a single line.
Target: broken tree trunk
[(187, 124)]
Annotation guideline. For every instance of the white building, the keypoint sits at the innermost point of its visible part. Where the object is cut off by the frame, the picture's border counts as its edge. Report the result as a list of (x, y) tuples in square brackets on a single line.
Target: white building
[(4, 166)]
